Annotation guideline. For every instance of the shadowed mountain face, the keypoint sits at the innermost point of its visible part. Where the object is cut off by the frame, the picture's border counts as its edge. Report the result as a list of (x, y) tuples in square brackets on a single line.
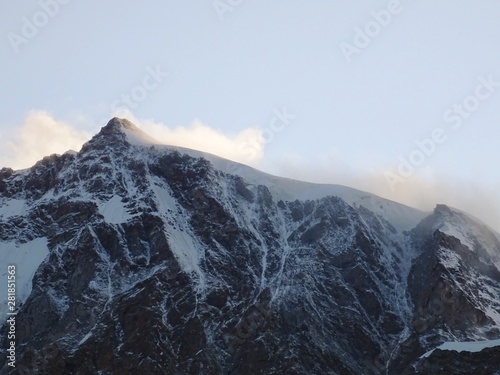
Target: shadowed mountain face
[(160, 261)]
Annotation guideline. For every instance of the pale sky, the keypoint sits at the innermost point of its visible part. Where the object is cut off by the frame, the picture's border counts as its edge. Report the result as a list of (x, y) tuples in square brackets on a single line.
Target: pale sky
[(399, 98)]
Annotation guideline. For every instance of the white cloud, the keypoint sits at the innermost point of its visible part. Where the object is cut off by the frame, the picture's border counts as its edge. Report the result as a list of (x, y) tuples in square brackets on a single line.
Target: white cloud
[(247, 146), (39, 135), (477, 199), (423, 190)]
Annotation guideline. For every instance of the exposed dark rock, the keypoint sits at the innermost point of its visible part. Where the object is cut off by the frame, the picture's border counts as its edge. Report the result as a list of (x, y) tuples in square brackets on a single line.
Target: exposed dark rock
[(208, 273)]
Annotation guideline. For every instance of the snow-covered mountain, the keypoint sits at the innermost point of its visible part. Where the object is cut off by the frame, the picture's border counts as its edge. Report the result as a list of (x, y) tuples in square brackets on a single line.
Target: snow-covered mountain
[(136, 257)]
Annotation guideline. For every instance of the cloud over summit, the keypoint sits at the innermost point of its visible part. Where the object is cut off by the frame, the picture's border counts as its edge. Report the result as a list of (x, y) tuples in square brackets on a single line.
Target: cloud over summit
[(40, 134)]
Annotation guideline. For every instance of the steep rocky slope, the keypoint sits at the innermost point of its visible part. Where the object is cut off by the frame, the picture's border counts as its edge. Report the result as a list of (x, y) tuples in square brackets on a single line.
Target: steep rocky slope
[(159, 260)]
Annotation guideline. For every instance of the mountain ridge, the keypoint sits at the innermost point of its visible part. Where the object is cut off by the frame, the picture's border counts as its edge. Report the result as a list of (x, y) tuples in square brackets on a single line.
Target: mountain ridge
[(296, 189), (152, 256)]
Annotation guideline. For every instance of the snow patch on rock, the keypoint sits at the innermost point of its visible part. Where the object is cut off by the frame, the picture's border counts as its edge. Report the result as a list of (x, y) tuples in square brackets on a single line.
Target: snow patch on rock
[(466, 346), (114, 211), (451, 230), (27, 257), (13, 207)]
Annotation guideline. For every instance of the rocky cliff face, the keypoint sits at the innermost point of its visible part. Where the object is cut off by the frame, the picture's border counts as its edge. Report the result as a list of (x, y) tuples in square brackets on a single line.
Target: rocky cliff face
[(161, 261)]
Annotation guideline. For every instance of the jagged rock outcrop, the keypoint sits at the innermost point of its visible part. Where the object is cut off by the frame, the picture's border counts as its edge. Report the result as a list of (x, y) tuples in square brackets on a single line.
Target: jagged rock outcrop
[(166, 261)]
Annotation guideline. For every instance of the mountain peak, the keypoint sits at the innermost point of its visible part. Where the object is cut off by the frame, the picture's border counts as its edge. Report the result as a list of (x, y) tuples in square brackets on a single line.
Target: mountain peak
[(133, 134), (443, 209), (120, 132), (118, 126), (120, 123), (121, 231)]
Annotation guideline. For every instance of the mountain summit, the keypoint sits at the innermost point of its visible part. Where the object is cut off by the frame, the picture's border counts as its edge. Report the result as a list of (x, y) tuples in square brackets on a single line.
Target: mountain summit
[(119, 125), (136, 257), (118, 131)]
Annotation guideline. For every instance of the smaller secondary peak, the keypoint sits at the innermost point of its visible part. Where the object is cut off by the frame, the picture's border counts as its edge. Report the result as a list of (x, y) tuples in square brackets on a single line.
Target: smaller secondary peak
[(443, 209)]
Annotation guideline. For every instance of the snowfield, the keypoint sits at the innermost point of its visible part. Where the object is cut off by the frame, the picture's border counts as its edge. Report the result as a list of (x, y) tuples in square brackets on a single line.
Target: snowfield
[(467, 346), (27, 258)]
